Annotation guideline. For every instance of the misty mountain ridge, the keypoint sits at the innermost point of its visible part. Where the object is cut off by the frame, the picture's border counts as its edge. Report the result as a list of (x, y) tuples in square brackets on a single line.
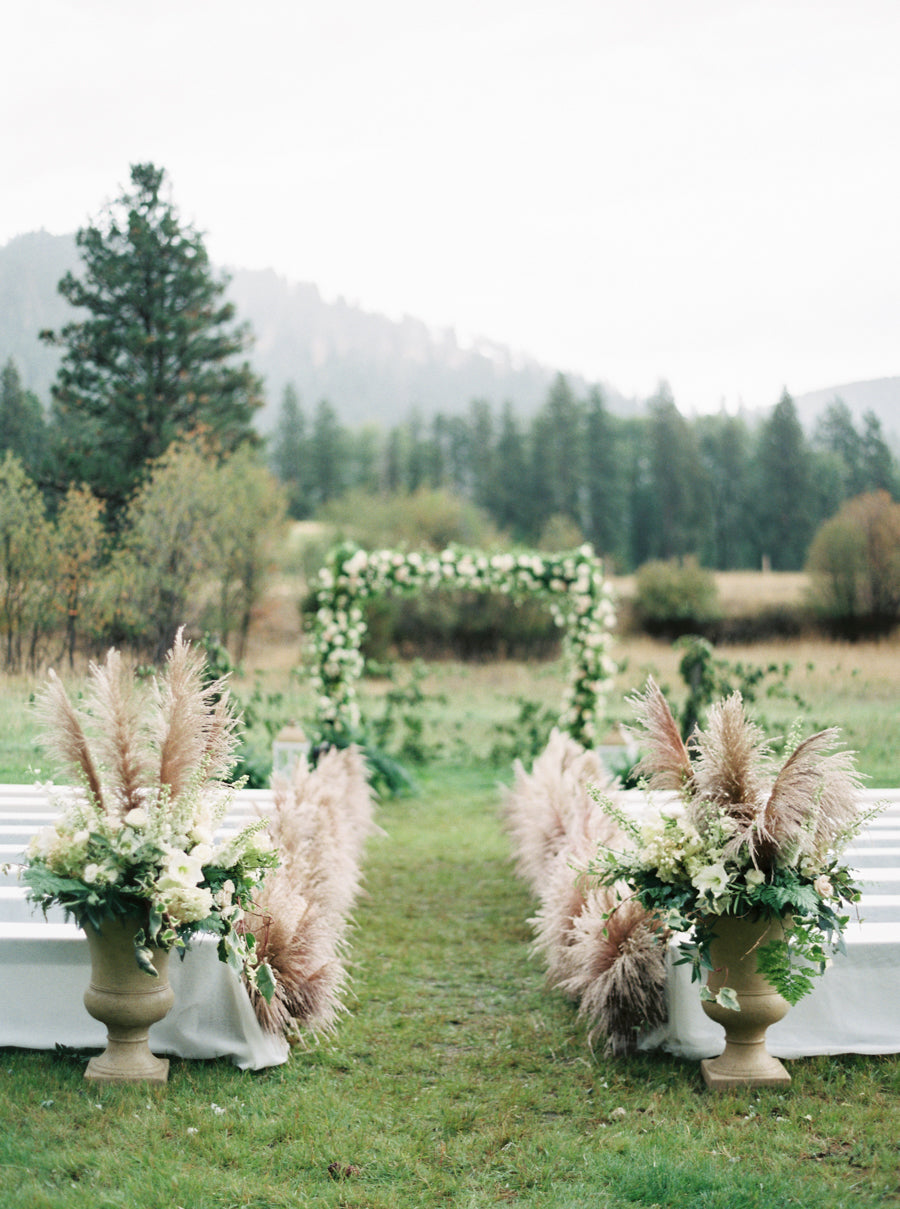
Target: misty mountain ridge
[(371, 368)]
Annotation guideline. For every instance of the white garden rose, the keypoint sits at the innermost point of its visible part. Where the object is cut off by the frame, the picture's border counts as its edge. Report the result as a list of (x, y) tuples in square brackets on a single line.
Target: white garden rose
[(187, 904)]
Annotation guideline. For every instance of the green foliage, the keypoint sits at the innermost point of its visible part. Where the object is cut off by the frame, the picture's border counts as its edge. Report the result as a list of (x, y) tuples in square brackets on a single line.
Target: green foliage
[(854, 562), (289, 455), (785, 513), (26, 557), (675, 597), (400, 729), (526, 736), (247, 528), (196, 547), (424, 519), (710, 677), (151, 355), (23, 430)]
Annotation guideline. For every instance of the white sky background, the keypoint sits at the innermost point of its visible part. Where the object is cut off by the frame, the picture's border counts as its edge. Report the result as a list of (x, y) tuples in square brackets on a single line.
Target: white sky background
[(704, 191)]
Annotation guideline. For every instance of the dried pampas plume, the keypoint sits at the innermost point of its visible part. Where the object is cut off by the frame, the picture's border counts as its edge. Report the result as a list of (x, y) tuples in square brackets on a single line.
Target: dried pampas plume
[(125, 742), (121, 740), (614, 969), (813, 802), (320, 818), (666, 762), (195, 726), (65, 738)]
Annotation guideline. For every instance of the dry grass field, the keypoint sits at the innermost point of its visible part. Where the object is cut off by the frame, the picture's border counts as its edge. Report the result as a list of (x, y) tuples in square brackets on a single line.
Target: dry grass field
[(467, 707)]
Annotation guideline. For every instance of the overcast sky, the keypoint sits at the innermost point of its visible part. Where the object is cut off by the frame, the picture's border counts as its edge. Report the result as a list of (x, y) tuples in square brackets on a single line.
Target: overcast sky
[(702, 191)]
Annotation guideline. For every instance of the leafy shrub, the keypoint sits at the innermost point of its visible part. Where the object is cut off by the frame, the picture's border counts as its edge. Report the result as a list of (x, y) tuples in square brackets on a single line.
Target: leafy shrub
[(464, 625), (675, 597), (709, 678), (424, 519), (854, 565)]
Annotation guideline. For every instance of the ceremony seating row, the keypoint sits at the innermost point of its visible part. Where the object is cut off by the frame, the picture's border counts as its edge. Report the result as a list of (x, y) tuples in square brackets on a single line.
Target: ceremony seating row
[(45, 965)]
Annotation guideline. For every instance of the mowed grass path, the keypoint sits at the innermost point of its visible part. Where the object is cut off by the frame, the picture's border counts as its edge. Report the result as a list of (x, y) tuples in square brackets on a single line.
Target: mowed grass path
[(454, 1079)]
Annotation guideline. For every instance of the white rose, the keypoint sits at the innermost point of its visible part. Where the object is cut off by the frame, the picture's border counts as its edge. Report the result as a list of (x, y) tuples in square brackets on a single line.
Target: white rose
[(754, 877), (201, 852), (136, 818), (823, 887), (188, 904), (91, 874)]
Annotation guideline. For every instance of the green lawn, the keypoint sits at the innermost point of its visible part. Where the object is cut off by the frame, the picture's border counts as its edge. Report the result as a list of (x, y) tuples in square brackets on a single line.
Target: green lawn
[(454, 1079)]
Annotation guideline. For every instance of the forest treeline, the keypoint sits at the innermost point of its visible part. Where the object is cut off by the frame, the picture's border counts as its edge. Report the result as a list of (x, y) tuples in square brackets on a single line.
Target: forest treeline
[(144, 497), (659, 486)]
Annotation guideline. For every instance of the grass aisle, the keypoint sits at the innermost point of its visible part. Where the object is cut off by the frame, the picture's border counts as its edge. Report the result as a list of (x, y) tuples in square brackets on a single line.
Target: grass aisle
[(455, 1079)]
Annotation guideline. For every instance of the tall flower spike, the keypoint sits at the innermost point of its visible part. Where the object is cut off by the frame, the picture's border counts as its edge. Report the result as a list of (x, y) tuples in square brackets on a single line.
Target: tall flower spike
[(812, 801), (195, 725), (121, 732), (666, 763), (732, 759), (65, 736)]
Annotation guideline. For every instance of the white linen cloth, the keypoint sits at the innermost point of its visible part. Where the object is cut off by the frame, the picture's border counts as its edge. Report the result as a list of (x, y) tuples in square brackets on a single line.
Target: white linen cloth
[(45, 969)]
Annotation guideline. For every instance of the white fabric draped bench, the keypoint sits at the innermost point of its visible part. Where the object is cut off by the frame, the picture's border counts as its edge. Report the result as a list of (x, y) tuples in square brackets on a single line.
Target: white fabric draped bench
[(45, 966), (855, 1005)]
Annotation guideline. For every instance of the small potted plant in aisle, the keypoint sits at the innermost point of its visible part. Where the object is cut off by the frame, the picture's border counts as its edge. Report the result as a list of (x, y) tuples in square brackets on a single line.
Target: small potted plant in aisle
[(133, 857), (742, 858)]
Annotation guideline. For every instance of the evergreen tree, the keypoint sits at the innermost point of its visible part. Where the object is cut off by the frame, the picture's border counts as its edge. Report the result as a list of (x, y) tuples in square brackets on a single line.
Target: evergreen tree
[(783, 489), (604, 482), (508, 499), (327, 444), (557, 455), (23, 430), (416, 453), (680, 499), (726, 452), (879, 466), (290, 454), (153, 355), (836, 434)]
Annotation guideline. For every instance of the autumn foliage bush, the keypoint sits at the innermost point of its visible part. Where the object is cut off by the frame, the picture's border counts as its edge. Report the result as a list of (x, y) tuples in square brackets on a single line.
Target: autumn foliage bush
[(854, 567)]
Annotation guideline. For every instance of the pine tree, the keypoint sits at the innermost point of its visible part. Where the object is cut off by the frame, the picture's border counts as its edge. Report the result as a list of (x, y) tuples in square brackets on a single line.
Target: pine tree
[(23, 430), (604, 481), (783, 489), (879, 466), (152, 356), (290, 455)]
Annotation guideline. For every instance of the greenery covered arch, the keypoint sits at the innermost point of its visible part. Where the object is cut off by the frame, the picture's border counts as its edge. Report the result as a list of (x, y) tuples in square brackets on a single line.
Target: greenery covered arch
[(573, 583)]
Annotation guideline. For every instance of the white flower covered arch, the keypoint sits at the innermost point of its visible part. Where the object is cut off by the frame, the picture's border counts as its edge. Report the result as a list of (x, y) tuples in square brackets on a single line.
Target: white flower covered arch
[(578, 595)]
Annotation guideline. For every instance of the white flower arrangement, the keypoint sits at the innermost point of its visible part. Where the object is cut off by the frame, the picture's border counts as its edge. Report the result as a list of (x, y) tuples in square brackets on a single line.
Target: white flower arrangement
[(744, 837), (139, 836), (580, 602)]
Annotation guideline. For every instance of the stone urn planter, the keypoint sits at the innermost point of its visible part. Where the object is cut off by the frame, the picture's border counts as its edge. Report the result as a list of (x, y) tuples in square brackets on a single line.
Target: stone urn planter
[(127, 1000), (745, 1061)]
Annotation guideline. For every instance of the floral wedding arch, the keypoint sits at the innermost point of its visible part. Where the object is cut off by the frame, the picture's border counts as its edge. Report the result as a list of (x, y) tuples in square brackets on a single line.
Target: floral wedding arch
[(579, 598)]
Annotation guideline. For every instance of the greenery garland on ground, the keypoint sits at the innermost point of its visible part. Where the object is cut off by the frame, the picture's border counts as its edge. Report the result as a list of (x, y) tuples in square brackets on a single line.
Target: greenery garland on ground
[(578, 595)]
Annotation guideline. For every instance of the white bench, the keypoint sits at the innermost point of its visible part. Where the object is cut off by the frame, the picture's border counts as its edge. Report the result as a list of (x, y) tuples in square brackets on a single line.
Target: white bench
[(45, 966)]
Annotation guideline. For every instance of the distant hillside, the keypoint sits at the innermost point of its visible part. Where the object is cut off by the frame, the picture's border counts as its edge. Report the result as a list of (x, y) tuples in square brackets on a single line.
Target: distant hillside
[(30, 267), (881, 396), (368, 366)]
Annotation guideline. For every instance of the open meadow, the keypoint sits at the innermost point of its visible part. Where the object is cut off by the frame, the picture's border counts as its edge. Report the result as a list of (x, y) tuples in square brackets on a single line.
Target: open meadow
[(455, 1077)]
